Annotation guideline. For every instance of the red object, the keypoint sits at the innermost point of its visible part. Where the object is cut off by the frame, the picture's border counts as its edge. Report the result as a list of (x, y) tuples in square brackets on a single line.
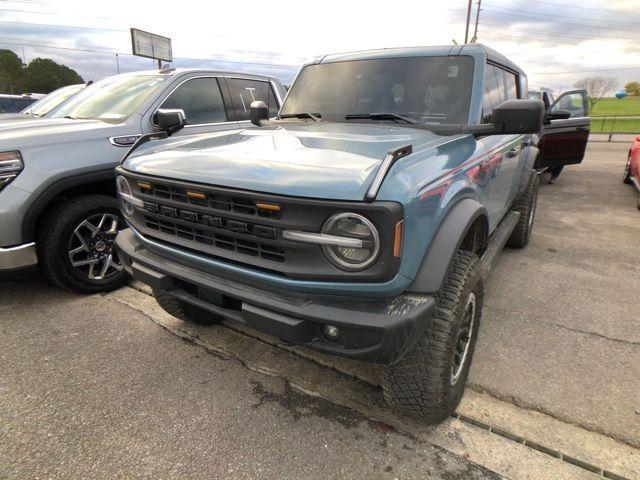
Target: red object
[(632, 170)]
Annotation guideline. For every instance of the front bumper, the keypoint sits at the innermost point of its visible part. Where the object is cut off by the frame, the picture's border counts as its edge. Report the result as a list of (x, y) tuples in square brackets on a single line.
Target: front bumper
[(18, 257), (378, 331)]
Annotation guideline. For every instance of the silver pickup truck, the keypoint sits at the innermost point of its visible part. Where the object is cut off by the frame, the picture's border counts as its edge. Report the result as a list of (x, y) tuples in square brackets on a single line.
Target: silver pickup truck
[(57, 186)]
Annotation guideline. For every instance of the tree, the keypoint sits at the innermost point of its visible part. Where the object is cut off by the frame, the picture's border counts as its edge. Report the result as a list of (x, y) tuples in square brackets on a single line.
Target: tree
[(44, 75), (11, 73), (632, 88), (596, 87)]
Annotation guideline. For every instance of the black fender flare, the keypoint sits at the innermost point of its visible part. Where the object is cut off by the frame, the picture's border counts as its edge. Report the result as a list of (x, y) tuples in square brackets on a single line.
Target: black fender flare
[(56, 185), (437, 260)]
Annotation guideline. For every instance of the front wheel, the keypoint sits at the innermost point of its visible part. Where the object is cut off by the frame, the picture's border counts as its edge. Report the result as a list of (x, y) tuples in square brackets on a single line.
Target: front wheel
[(627, 171), (430, 378), (76, 244)]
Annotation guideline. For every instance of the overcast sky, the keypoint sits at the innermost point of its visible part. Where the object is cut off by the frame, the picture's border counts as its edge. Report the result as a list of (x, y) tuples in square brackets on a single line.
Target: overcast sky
[(555, 41)]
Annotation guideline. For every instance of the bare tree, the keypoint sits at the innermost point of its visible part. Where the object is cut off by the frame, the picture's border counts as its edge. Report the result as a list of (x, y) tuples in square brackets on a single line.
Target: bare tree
[(596, 87)]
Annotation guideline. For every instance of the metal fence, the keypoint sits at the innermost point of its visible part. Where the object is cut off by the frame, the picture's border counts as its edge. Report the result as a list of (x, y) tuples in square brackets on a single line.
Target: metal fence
[(610, 124)]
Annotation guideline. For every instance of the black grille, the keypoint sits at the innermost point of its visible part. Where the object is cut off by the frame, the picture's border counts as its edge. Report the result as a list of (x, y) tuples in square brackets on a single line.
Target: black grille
[(246, 247), (217, 201)]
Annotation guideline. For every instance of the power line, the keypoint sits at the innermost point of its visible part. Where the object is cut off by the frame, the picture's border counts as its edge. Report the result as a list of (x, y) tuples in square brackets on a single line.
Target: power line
[(18, 42), (582, 25), (581, 7), (545, 33), (547, 16), (66, 26)]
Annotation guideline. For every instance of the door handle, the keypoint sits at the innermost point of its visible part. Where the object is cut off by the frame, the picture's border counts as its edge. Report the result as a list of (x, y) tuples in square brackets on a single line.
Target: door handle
[(511, 153), (582, 129)]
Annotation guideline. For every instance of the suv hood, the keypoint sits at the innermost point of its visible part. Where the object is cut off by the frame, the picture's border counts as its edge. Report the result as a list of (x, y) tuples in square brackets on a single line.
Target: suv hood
[(30, 131), (332, 161)]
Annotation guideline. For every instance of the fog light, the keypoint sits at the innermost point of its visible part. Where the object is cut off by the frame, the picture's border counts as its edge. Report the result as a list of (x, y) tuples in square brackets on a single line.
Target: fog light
[(331, 332)]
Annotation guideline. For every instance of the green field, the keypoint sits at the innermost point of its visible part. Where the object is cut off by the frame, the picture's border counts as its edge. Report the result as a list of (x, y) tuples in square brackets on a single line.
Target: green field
[(599, 125), (617, 106)]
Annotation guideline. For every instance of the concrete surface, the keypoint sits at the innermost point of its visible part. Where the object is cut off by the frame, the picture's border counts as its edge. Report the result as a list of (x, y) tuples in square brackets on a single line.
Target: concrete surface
[(514, 442), (561, 325), (90, 388)]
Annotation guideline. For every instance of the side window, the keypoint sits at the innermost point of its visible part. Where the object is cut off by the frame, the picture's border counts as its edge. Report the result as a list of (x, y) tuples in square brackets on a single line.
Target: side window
[(571, 102), (243, 92), (499, 86), (201, 100)]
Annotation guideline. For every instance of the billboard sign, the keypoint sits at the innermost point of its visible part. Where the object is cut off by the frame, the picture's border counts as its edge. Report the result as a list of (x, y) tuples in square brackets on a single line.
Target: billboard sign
[(150, 45)]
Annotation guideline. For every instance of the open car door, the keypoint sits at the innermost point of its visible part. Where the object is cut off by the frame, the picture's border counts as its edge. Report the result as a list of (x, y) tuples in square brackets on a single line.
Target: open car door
[(564, 137)]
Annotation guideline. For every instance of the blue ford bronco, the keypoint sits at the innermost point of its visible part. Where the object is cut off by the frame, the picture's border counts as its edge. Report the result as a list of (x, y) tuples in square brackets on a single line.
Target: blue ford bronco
[(359, 222)]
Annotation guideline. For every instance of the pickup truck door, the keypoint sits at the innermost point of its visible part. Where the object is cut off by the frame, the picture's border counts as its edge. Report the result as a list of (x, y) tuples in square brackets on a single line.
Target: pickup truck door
[(564, 137)]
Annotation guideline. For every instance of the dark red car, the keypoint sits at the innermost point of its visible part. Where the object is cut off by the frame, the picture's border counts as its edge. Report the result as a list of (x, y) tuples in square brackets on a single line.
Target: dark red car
[(632, 170)]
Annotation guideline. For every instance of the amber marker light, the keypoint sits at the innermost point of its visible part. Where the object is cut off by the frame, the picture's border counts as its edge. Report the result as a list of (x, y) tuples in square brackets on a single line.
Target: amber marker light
[(197, 195), (144, 185), (268, 206), (397, 240)]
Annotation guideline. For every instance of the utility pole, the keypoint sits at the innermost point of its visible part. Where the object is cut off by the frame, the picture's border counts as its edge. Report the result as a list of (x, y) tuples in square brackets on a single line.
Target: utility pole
[(475, 32), (466, 31), (117, 64)]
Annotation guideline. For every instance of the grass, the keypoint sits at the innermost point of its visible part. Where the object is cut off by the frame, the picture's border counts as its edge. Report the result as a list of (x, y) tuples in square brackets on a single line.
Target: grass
[(621, 125), (617, 106)]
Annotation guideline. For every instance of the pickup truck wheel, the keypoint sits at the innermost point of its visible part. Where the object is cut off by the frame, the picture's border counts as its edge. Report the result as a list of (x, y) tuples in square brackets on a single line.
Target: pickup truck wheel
[(627, 171), (430, 378), (76, 244), (183, 310), (526, 205)]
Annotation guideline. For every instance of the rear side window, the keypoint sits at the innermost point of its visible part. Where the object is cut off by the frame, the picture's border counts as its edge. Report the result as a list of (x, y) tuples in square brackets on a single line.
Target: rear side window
[(243, 92), (499, 86), (201, 100)]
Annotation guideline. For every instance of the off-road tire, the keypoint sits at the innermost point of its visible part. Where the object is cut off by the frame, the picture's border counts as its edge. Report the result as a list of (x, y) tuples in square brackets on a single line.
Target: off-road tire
[(52, 243), (421, 381), (525, 205), (183, 310), (627, 171)]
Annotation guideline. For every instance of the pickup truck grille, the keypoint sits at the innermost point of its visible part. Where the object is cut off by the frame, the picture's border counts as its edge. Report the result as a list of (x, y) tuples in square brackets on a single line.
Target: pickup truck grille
[(217, 201), (245, 228), (218, 240)]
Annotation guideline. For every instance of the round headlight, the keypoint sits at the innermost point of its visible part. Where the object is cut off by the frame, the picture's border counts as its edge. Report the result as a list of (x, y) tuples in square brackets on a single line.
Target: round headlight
[(122, 184), (352, 225)]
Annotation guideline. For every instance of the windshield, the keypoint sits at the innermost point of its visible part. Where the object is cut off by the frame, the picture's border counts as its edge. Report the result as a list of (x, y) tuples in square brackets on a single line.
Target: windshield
[(425, 89), (112, 99), (51, 101)]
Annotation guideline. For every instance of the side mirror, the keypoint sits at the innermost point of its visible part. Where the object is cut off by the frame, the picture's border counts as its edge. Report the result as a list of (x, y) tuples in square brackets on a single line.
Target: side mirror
[(557, 115), (638, 138), (258, 112), (171, 119), (518, 116)]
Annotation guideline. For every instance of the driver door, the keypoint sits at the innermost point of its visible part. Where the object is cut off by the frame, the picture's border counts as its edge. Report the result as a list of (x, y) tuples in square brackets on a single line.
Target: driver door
[(563, 140)]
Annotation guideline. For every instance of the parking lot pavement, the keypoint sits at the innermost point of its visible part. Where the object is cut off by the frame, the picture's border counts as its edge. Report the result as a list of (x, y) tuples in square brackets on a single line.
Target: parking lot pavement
[(561, 326), (91, 388)]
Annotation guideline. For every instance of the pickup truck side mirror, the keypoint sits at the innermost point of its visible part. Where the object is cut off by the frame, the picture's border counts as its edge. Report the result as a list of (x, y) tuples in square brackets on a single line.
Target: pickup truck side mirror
[(171, 119), (556, 115), (518, 116), (258, 112)]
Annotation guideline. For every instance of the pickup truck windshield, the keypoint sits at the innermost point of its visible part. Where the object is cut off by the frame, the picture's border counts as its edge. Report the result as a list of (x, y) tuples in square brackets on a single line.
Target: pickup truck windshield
[(112, 99), (426, 89), (51, 101)]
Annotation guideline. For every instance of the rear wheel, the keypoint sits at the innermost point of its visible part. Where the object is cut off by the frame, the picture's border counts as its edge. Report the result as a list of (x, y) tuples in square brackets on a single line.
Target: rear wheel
[(525, 205), (183, 310), (430, 378), (76, 244), (627, 171)]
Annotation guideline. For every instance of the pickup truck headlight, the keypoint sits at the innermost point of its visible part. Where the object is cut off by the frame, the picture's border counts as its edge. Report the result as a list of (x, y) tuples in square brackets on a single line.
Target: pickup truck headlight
[(127, 200), (10, 166), (352, 225)]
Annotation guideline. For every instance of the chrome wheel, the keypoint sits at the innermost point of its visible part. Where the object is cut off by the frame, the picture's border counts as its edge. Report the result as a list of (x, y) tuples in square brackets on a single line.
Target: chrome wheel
[(463, 340), (92, 247)]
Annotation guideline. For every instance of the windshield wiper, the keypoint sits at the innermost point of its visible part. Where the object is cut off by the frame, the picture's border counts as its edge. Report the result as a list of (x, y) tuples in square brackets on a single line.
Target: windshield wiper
[(313, 116), (381, 116)]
